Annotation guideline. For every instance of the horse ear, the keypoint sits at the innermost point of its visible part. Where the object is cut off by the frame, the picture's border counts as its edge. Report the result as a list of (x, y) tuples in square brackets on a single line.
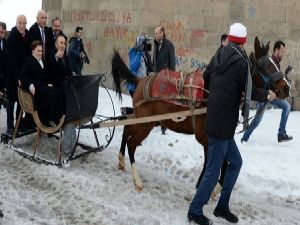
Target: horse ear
[(267, 47), (256, 44)]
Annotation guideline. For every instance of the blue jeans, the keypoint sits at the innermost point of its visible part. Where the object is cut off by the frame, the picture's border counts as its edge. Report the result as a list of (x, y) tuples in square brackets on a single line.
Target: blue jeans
[(280, 103), (218, 151)]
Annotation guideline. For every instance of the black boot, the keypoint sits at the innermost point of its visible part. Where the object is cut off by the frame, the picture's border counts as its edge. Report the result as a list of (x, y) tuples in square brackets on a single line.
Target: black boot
[(1, 214), (226, 214), (284, 137), (202, 220)]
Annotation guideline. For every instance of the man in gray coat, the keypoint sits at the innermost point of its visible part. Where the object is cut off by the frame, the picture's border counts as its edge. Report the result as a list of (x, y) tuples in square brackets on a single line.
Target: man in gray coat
[(163, 54)]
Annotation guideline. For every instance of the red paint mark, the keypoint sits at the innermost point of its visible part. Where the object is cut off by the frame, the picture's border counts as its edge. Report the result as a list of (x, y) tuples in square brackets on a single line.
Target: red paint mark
[(181, 51), (196, 37)]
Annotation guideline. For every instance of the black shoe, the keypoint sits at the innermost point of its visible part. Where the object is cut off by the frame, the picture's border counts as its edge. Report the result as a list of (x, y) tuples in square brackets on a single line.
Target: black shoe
[(284, 137), (202, 220), (226, 214), (1, 214)]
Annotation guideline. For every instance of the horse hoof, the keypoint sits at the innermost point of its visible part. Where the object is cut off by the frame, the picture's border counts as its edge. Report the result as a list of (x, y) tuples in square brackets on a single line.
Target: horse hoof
[(121, 167), (138, 188)]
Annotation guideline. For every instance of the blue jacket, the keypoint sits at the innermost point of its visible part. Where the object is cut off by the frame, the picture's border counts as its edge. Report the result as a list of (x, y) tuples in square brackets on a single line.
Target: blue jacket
[(137, 66)]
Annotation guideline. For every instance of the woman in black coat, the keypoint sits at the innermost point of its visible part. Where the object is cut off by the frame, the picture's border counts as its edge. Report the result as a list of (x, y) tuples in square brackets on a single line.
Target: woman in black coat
[(34, 78)]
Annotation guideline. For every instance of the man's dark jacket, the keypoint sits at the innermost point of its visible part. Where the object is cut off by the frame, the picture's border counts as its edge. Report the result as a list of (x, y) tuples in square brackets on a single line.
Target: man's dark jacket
[(17, 50), (58, 71), (163, 57), (75, 48), (228, 74), (3, 56), (35, 34)]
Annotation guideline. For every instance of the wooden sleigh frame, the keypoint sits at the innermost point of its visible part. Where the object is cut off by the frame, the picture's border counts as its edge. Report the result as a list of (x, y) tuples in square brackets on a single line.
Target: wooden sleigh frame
[(27, 106)]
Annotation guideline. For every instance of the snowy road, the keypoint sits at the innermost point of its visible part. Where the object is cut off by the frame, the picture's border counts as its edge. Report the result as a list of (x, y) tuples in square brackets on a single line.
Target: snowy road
[(94, 191)]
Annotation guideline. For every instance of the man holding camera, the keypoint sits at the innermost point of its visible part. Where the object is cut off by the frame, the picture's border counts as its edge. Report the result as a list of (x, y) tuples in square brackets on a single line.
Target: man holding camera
[(278, 53), (140, 60)]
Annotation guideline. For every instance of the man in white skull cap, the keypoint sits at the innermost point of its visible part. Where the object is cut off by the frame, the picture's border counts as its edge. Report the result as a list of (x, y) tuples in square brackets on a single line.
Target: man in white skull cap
[(229, 79)]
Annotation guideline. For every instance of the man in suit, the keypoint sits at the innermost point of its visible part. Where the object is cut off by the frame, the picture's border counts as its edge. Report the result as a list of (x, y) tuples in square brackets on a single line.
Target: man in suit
[(163, 54), (59, 67), (3, 53), (56, 29), (40, 32), (17, 50)]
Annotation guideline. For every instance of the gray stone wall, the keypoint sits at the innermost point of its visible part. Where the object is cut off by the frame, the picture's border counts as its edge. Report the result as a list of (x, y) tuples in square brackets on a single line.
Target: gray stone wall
[(194, 26)]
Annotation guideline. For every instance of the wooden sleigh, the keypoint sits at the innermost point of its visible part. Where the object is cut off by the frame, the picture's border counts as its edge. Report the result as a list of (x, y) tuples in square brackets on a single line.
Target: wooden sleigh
[(76, 114)]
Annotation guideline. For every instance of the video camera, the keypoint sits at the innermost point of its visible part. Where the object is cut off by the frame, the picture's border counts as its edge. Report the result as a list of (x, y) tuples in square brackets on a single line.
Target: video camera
[(148, 44), (3, 99)]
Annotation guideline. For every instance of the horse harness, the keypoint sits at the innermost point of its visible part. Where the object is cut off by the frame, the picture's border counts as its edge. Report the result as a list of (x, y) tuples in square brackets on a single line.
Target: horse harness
[(180, 85)]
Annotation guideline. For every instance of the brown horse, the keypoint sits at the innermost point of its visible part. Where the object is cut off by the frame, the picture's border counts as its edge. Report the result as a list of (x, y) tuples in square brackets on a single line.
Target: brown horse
[(133, 135)]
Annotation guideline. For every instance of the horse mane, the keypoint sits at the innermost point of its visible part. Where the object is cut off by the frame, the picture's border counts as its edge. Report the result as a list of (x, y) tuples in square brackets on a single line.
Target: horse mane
[(120, 72)]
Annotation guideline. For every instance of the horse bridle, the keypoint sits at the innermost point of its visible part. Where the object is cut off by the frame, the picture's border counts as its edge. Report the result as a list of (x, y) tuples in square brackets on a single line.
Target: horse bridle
[(269, 78)]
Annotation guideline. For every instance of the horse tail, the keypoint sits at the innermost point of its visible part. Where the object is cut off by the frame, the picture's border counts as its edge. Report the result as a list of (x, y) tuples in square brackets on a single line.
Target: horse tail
[(120, 72)]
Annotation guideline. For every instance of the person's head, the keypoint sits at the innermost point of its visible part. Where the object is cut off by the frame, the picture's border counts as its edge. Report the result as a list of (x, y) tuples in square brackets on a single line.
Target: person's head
[(56, 25), (159, 33), (60, 43), (41, 18), (2, 30), (224, 40), (21, 24), (237, 34), (37, 49), (279, 49), (78, 32)]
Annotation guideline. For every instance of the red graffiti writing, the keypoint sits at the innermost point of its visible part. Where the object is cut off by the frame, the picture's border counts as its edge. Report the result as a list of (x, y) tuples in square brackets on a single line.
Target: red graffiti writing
[(100, 16), (119, 33), (174, 30)]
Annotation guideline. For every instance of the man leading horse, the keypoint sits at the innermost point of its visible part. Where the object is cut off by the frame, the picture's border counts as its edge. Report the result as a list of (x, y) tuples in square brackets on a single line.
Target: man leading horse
[(229, 77)]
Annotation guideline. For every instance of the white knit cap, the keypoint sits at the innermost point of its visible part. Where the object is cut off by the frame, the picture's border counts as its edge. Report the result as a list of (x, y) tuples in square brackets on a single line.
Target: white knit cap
[(237, 33)]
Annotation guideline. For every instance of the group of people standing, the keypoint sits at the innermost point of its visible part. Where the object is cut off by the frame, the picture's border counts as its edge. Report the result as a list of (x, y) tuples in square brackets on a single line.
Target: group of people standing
[(37, 60)]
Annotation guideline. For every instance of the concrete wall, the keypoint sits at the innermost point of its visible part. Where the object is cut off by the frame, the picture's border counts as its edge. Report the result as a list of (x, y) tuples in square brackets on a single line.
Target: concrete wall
[(194, 26)]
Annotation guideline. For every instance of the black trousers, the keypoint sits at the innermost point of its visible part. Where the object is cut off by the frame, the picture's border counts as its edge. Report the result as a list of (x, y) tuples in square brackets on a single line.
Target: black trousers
[(50, 104)]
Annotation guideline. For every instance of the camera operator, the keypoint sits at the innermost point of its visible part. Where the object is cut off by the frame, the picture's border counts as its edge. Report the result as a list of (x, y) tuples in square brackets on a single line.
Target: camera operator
[(140, 59)]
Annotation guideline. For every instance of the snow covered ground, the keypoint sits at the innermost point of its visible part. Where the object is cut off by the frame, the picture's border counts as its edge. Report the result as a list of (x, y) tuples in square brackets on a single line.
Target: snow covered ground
[(94, 191)]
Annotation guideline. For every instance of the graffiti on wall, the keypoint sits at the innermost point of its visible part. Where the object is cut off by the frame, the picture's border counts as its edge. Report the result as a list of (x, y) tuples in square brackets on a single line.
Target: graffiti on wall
[(175, 30), (98, 16)]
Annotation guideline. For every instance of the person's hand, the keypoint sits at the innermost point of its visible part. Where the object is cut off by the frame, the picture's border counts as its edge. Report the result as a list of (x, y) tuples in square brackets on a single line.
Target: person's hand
[(139, 47), (82, 55), (59, 54), (271, 95), (32, 89)]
